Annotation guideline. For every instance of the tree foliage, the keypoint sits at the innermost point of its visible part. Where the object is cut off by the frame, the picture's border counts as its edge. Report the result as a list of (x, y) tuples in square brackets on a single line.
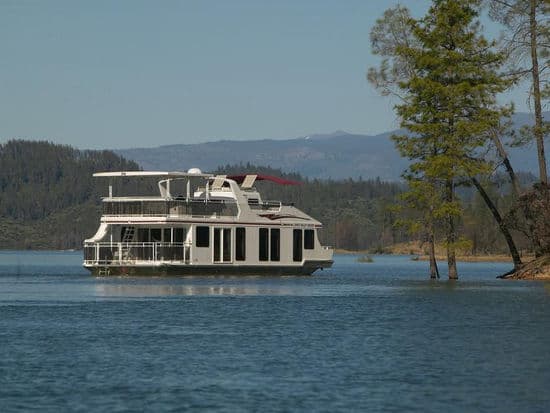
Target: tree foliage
[(448, 100), (356, 214), (48, 197)]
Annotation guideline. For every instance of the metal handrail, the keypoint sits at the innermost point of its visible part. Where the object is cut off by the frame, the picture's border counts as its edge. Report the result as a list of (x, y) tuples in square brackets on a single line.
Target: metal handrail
[(170, 207), (121, 253), (265, 205)]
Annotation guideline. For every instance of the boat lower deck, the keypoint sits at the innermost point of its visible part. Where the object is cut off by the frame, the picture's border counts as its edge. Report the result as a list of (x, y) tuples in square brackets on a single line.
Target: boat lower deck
[(307, 268)]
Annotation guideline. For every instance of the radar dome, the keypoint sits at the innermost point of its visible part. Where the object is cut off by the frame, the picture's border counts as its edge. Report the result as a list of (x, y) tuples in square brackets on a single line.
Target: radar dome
[(194, 171)]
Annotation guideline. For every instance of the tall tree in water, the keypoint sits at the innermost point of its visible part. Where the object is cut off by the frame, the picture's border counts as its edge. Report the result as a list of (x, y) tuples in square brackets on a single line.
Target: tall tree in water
[(448, 103), (391, 34), (527, 43)]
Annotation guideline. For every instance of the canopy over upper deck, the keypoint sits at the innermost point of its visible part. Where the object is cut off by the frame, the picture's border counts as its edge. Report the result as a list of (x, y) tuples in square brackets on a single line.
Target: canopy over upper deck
[(214, 183)]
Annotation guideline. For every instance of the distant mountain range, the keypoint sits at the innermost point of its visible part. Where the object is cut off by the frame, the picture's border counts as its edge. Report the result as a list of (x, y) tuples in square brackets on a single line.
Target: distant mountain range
[(336, 155)]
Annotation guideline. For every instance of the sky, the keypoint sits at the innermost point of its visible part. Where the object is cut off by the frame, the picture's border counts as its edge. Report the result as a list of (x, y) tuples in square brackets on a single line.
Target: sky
[(119, 74)]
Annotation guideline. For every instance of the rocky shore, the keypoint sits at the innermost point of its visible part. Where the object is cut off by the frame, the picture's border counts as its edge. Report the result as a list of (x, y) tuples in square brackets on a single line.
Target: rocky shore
[(538, 269)]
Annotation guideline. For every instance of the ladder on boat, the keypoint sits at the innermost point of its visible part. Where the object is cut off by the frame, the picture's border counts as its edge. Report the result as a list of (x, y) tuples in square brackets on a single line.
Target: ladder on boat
[(103, 271), (129, 233)]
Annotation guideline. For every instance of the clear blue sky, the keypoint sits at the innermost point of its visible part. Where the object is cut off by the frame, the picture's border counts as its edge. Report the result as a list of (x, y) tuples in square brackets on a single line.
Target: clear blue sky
[(113, 74)]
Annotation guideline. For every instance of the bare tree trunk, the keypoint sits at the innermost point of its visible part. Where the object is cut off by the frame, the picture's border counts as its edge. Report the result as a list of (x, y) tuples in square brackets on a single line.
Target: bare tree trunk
[(501, 224), (451, 234), (506, 161), (434, 270), (538, 131)]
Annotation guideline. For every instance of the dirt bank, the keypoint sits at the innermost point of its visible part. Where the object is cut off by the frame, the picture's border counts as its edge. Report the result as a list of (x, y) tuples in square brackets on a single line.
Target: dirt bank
[(538, 269)]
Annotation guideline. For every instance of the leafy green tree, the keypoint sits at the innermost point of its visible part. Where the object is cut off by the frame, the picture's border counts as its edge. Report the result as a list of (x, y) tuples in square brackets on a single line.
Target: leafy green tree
[(391, 34), (448, 104)]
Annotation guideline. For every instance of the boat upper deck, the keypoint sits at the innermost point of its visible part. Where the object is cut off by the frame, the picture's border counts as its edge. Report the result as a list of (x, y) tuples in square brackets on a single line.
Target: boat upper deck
[(205, 197)]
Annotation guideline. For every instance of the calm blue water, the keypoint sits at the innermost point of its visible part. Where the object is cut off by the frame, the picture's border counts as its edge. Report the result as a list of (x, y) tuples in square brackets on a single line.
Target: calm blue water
[(359, 337)]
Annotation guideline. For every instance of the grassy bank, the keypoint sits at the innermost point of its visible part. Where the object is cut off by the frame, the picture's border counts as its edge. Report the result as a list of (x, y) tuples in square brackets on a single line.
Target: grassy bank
[(418, 251)]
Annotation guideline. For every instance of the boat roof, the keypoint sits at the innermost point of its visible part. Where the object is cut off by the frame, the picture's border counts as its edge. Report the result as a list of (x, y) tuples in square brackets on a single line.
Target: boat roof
[(281, 181), (178, 174), (173, 174)]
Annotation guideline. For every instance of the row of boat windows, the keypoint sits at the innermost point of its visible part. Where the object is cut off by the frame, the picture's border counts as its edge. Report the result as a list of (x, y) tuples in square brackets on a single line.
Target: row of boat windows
[(154, 234), (269, 243)]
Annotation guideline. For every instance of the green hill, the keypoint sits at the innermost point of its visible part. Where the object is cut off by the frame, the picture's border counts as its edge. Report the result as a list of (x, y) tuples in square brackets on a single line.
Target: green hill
[(49, 200), (48, 197)]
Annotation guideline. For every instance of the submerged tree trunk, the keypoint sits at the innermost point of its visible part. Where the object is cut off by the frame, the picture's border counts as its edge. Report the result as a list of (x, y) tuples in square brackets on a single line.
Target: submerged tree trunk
[(434, 270), (538, 131), (451, 234), (501, 224)]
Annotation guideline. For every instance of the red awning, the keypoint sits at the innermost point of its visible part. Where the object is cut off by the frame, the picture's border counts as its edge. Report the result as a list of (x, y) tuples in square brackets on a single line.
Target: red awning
[(240, 178)]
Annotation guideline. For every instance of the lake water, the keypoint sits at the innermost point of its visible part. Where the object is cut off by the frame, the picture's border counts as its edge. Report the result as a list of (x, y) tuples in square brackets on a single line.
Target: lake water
[(358, 337)]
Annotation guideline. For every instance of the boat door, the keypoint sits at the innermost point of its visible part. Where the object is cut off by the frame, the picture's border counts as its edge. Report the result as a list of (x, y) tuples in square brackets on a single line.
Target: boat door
[(222, 245)]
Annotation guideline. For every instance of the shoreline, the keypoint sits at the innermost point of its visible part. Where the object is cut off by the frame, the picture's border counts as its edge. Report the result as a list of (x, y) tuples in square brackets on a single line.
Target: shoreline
[(425, 257), (538, 270)]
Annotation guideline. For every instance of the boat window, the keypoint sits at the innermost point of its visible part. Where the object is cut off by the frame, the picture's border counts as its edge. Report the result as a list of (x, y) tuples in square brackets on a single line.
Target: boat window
[(156, 235), (227, 244), (167, 236), (275, 245), (264, 241), (309, 239), (143, 234), (178, 234), (240, 244), (217, 239), (297, 245), (222, 245), (203, 237)]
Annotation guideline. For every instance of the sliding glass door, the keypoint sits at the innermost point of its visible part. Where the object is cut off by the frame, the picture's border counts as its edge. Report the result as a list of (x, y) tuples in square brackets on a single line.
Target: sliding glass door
[(222, 245)]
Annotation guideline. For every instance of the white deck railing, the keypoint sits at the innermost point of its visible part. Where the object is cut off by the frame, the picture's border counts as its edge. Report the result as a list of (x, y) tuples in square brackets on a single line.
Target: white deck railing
[(173, 207), (124, 253)]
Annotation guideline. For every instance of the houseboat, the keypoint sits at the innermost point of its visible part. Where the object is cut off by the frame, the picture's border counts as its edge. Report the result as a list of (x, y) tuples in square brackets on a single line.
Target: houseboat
[(201, 223)]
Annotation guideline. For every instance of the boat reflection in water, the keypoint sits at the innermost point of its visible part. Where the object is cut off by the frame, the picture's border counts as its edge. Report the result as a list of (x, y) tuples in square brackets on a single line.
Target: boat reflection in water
[(136, 290)]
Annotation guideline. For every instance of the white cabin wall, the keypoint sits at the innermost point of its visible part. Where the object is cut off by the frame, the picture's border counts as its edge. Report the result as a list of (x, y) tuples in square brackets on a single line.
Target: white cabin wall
[(252, 246), (318, 252), (203, 255), (286, 245)]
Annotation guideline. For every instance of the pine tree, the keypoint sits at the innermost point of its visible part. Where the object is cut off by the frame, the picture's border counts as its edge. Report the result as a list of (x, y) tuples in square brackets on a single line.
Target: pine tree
[(389, 36), (449, 104)]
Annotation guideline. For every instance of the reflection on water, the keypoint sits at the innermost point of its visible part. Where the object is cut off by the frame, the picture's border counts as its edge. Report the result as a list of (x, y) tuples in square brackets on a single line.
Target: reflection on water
[(129, 290)]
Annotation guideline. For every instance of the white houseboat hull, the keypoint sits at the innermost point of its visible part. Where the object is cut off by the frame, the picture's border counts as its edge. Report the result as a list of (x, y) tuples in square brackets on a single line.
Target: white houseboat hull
[(223, 228), (307, 268)]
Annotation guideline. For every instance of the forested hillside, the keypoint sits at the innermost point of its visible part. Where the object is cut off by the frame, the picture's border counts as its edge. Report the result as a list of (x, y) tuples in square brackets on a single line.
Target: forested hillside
[(361, 214), (48, 197), (49, 200), (355, 213)]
